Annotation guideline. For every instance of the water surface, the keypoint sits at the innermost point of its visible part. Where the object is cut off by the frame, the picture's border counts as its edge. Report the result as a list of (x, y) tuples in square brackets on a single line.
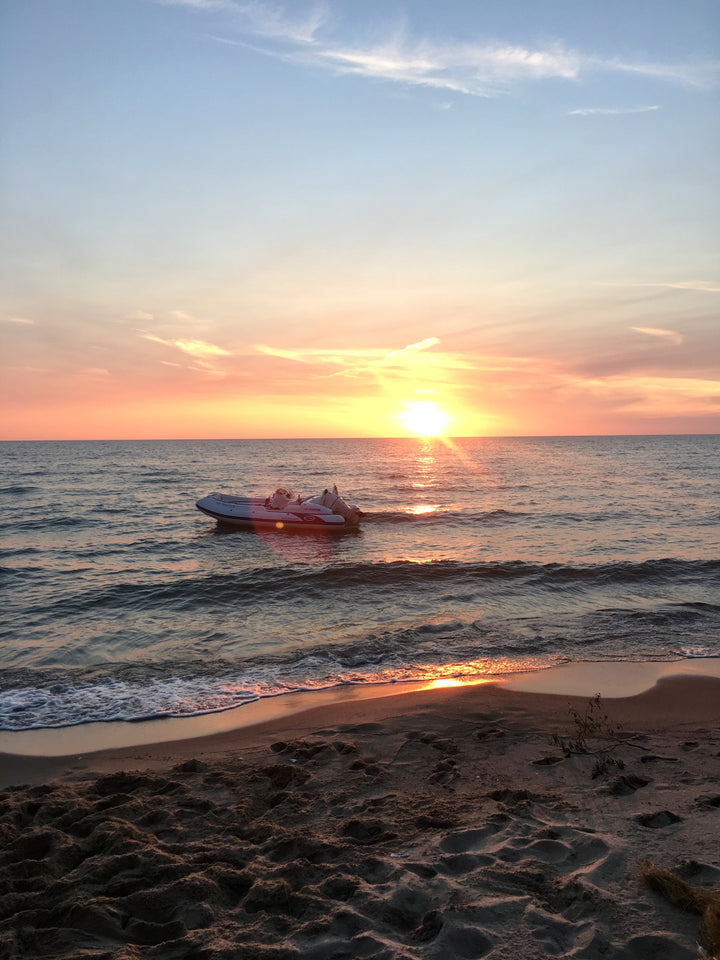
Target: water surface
[(486, 556)]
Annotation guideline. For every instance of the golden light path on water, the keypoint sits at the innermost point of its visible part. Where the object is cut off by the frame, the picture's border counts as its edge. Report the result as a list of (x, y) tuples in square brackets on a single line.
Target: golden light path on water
[(429, 470)]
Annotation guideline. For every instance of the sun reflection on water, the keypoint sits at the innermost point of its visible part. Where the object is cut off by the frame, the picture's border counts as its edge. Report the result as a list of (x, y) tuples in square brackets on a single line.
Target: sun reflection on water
[(421, 509)]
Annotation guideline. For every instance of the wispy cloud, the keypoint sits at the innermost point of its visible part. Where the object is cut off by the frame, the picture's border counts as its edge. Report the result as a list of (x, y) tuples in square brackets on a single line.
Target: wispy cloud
[(200, 350), (705, 286), (650, 396), (420, 345), (21, 320), (702, 286), (610, 111), (671, 335), (693, 74), (669, 397), (482, 68), (297, 356), (350, 362), (268, 20), (271, 20), (341, 355)]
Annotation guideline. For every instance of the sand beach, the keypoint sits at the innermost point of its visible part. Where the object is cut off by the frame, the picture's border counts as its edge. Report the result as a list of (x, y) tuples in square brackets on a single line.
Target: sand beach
[(438, 823)]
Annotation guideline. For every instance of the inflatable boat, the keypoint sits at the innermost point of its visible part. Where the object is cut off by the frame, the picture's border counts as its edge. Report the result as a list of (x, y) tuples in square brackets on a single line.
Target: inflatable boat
[(282, 511)]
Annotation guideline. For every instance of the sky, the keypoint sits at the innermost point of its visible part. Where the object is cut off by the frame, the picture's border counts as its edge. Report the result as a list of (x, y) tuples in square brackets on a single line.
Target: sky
[(239, 218)]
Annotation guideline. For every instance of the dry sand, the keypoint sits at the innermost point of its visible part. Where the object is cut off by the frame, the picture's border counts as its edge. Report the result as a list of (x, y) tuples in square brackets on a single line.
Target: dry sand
[(438, 824)]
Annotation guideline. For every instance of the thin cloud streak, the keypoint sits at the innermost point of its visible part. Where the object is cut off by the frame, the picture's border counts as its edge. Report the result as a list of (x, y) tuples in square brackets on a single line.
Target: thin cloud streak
[(320, 354), (692, 74), (200, 350), (705, 286), (420, 345), (297, 356), (701, 286), (672, 335), (610, 111)]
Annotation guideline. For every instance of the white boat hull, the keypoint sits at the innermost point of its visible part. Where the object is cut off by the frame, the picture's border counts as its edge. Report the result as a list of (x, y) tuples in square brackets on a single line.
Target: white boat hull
[(257, 513)]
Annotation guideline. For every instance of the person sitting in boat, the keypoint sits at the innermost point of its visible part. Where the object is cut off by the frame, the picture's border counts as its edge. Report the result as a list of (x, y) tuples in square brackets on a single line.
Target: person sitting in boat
[(280, 499)]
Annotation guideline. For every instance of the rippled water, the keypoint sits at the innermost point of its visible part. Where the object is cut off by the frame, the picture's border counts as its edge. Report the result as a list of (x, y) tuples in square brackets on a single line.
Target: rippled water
[(122, 601)]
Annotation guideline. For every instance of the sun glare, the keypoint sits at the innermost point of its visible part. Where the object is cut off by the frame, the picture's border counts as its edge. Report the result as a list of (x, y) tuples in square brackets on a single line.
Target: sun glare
[(424, 418)]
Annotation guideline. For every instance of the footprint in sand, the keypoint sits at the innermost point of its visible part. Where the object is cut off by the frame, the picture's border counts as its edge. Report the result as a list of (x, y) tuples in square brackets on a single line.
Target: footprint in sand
[(460, 939), (625, 785), (656, 821), (367, 832), (555, 934), (469, 841)]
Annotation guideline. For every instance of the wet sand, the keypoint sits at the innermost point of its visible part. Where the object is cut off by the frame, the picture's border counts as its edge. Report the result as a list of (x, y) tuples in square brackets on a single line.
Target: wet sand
[(436, 823)]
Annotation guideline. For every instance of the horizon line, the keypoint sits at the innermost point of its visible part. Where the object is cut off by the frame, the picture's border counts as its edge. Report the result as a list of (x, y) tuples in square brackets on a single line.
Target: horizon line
[(518, 436)]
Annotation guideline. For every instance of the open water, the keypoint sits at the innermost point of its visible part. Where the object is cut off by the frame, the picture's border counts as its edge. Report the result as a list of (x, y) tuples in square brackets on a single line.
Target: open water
[(120, 601)]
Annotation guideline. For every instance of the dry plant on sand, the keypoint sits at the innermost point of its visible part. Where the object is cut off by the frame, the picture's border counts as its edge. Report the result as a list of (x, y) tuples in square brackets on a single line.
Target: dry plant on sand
[(595, 734)]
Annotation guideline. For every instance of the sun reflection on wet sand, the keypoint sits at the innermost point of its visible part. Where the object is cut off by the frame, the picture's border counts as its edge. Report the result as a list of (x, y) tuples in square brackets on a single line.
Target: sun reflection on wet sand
[(454, 682)]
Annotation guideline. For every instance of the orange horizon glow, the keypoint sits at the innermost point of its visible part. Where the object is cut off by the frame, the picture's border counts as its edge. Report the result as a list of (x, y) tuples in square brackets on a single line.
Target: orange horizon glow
[(342, 394)]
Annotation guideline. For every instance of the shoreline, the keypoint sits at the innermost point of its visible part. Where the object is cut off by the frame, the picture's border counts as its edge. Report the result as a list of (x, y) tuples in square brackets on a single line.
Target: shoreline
[(544, 697), (610, 679)]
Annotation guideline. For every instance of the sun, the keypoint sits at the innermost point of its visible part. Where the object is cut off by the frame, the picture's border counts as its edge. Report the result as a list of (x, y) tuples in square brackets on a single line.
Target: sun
[(424, 418)]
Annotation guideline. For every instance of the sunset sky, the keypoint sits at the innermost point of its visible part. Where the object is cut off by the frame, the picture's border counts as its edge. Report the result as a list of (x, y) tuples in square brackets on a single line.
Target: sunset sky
[(291, 219)]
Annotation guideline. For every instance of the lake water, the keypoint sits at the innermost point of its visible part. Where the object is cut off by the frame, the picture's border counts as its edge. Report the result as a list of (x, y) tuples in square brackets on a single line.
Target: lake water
[(121, 601)]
